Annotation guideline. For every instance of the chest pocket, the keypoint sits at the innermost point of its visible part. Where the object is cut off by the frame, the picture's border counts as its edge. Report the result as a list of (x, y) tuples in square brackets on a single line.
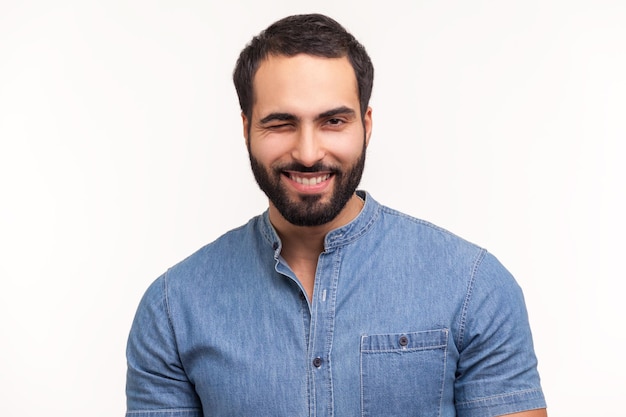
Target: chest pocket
[(402, 374)]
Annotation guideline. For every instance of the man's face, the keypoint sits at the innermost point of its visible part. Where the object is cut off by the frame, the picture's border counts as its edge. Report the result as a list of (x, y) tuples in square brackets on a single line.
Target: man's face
[(306, 138)]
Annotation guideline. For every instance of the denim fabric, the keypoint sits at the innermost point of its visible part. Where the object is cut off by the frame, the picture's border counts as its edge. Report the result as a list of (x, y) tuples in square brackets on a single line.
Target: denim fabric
[(406, 319)]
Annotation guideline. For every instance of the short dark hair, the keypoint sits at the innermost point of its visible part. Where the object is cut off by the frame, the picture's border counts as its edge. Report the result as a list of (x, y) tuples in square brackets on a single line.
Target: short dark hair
[(312, 34)]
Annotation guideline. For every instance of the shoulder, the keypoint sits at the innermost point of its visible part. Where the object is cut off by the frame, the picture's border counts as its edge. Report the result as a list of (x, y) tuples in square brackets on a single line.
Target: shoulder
[(234, 241), (441, 251), (426, 236), (221, 257)]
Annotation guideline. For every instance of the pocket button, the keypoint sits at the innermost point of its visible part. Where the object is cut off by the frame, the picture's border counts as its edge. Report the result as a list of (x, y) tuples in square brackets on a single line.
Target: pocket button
[(403, 341)]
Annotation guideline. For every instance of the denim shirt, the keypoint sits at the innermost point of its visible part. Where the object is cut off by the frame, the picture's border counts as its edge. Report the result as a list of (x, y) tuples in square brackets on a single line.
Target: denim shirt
[(406, 319)]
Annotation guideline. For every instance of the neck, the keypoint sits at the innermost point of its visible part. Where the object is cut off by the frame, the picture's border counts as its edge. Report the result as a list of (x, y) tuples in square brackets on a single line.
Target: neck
[(302, 245)]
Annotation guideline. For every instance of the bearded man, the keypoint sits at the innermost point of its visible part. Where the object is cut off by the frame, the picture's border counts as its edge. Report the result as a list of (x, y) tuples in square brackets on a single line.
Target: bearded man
[(329, 303)]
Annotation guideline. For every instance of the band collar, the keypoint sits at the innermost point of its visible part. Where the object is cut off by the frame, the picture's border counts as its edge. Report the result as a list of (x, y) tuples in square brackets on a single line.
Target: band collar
[(335, 238)]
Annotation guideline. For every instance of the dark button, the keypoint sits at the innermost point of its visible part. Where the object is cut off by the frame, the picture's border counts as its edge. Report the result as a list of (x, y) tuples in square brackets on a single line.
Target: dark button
[(275, 245), (403, 341), (317, 362), (302, 296)]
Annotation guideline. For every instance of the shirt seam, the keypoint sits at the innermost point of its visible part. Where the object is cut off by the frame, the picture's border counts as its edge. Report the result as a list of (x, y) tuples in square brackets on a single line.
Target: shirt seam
[(165, 410), (425, 223), (498, 397), (340, 241), (170, 320), (468, 295)]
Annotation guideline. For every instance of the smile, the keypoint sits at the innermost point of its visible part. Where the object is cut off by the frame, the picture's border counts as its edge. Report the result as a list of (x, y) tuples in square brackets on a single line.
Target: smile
[(308, 181)]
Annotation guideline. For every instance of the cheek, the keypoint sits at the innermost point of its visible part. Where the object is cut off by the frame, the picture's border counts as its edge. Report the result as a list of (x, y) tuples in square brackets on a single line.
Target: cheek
[(348, 150), (267, 151)]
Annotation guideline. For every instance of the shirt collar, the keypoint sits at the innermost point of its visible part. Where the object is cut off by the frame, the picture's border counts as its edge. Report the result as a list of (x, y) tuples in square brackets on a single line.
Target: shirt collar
[(335, 238)]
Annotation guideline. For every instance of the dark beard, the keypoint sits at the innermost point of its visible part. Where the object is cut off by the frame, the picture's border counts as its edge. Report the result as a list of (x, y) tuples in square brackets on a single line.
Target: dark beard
[(308, 210)]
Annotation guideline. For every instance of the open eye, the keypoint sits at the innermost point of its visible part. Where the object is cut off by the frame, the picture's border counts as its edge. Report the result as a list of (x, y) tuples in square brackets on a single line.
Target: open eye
[(335, 121)]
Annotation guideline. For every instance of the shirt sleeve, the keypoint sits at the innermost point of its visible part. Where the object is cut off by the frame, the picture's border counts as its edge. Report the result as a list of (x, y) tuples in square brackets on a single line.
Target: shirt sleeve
[(497, 369), (156, 382)]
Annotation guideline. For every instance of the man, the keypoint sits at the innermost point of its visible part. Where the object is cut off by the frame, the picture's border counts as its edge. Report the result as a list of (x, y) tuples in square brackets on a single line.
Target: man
[(328, 304)]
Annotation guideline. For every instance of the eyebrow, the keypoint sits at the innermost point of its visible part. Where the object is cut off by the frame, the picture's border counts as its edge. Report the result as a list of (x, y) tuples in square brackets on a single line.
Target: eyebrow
[(281, 117), (334, 112), (288, 117)]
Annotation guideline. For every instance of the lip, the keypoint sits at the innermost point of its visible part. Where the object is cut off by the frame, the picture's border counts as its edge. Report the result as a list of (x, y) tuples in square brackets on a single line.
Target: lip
[(309, 182)]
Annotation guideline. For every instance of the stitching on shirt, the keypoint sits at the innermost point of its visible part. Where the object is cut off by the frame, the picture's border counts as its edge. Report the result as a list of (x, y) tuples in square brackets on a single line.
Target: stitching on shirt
[(499, 396), (166, 410), (361, 376), (266, 230), (404, 350), (363, 230), (443, 375), (470, 287), (194, 411), (331, 307), (422, 222), (166, 301)]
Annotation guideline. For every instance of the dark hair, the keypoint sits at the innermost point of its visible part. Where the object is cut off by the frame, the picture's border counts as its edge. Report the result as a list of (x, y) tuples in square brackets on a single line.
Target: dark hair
[(312, 34)]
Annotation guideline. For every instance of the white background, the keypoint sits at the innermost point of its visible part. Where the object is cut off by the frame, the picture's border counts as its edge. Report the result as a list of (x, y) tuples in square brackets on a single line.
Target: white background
[(121, 153)]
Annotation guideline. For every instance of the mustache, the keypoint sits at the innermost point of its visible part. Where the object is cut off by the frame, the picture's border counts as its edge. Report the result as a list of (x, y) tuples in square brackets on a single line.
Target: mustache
[(317, 167)]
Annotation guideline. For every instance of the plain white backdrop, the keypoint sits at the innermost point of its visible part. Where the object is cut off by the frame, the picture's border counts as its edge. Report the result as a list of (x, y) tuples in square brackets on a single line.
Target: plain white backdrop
[(121, 152)]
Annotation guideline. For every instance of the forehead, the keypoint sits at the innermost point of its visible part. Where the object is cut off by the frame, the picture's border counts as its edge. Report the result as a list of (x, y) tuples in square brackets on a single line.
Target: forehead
[(304, 84)]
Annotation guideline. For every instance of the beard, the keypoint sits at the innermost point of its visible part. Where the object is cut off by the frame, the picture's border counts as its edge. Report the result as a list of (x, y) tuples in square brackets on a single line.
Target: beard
[(308, 210)]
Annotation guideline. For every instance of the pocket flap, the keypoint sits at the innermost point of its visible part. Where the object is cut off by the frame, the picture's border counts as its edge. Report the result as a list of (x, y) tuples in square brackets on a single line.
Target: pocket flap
[(429, 339)]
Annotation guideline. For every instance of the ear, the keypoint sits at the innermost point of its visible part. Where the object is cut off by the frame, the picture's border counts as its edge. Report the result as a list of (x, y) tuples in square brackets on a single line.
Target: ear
[(246, 132), (367, 124)]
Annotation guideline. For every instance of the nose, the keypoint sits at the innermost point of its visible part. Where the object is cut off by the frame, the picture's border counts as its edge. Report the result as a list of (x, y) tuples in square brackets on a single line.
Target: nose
[(308, 148)]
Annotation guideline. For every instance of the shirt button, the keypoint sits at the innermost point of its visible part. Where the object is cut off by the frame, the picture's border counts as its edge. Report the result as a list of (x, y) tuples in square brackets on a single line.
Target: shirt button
[(403, 341), (317, 362)]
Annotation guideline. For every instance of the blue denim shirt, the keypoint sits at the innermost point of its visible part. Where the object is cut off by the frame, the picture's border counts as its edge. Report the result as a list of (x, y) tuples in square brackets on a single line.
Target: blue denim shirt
[(406, 319)]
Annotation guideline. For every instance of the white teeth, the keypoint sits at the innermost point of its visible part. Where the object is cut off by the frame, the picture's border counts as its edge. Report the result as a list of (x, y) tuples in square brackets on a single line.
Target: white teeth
[(310, 181)]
